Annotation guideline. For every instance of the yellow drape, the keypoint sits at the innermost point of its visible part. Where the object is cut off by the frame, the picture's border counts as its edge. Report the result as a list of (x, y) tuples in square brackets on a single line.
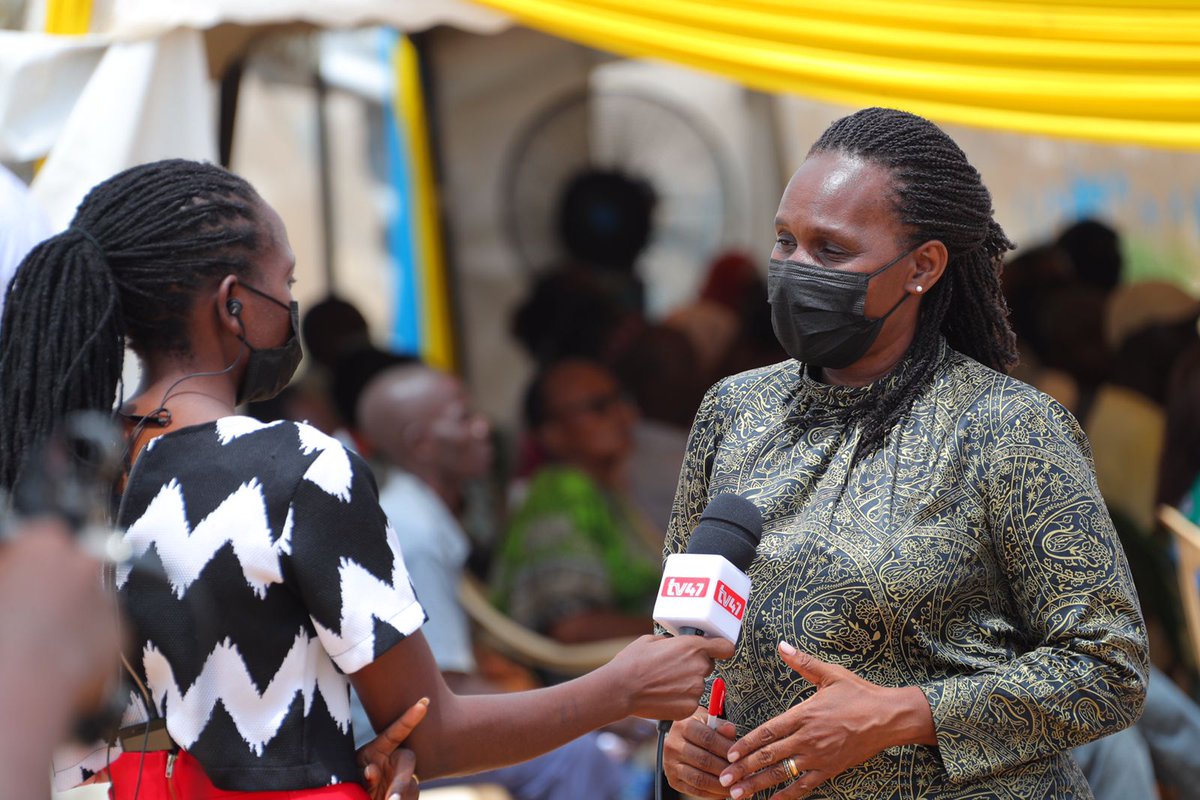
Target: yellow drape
[(1105, 70), (436, 330), (68, 17)]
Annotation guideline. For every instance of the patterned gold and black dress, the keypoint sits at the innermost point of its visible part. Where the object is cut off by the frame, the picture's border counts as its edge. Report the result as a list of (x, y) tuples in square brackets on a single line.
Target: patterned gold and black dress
[(971, 556)]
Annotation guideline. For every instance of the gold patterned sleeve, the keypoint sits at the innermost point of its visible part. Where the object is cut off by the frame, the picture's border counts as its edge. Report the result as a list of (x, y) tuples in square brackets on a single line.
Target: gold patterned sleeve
[(1070, 594), (691, 495)]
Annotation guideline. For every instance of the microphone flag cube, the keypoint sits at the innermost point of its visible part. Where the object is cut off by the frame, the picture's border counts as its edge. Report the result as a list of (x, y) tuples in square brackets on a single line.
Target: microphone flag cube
[(702, 591)]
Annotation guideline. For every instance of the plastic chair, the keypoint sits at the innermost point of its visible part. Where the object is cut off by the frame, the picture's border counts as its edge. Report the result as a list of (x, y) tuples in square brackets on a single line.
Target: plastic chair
[(1187, 540), (1127, 431), (528, 647)]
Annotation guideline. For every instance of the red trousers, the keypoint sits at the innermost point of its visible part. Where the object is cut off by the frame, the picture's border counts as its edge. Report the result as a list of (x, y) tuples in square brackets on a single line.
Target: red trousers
[(188, 782)]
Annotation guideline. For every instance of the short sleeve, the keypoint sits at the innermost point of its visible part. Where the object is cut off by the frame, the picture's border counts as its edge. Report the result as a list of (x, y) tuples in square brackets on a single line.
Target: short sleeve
[(449, 631), (345, 561)]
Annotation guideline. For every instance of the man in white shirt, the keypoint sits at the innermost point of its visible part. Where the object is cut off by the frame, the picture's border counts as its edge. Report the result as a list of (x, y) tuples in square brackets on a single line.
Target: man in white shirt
[(421, 422)]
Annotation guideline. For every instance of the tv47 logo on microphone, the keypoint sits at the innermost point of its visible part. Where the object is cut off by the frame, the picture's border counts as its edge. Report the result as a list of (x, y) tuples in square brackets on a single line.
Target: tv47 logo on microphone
[(730, 600), (685, 587), (696, 588)]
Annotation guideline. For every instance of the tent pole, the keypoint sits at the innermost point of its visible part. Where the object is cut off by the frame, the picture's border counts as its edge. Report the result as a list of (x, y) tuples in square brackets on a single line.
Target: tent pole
[(231, 84), (328, 228), (423, 43)]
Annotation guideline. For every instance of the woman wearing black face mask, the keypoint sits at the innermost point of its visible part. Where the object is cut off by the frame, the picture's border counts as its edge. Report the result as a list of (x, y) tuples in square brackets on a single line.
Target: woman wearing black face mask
[(940, 607), (266, 572)]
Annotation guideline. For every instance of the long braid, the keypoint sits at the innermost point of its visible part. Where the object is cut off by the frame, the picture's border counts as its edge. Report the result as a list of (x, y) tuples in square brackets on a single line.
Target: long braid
[(128, 268), (938, 195)]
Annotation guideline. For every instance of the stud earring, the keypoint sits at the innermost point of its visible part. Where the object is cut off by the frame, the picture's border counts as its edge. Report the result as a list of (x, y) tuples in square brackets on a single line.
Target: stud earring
[(920, 289)]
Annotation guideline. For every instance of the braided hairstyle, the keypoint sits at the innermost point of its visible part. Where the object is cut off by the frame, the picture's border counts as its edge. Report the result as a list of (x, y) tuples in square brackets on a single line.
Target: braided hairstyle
[(139, 247), (937, 195)]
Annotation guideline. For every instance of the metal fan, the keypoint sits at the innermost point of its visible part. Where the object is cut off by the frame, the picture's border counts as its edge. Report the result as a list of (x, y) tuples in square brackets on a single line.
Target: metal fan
[(623, 182)]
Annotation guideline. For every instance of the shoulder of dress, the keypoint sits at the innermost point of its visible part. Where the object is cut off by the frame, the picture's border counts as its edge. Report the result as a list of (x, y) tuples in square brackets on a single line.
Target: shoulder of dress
[(759, 381), (314, 440), (1006, 405)]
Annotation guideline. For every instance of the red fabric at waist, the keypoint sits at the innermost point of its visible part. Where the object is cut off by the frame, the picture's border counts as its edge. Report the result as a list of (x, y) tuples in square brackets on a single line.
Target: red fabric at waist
[(188, 782)]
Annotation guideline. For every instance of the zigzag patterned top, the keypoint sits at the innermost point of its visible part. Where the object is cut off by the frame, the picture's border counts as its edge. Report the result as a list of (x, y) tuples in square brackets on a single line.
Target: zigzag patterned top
[(971, 556), (277, 574)]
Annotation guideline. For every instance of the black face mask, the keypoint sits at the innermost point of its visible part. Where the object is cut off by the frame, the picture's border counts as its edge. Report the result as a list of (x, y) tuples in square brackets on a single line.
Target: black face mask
[(817, 313), (270, 369)]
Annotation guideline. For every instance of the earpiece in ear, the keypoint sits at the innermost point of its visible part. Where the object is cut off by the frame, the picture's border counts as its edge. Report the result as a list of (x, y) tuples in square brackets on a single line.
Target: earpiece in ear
[(235, 306)]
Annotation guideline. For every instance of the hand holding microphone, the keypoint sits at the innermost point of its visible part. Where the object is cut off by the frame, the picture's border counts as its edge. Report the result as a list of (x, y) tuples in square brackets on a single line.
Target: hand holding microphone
[(702, 592), (663, 678), (705, 591)]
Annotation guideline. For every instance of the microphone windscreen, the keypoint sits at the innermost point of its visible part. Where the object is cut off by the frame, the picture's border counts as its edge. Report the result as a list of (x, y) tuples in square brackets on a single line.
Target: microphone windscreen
[(730, 527)]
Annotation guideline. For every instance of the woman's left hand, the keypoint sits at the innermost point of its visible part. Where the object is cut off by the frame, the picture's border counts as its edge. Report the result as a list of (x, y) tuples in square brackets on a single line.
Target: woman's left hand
[(389, 770), (846, 722)]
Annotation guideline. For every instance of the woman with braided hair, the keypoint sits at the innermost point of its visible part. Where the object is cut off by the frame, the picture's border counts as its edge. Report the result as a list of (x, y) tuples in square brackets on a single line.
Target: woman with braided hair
[(266, 578), (940, 607)]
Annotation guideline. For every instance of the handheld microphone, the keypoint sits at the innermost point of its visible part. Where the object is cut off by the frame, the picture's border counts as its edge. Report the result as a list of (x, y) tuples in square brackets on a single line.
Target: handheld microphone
[(704, 590)]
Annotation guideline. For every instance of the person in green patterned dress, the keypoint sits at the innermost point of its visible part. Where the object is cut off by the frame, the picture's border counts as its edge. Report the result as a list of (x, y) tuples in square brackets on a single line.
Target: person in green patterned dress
[(940, 607), (579, 562)]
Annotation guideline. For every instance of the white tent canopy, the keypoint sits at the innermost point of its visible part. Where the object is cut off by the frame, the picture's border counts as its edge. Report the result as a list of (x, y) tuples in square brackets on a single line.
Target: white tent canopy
[(142, 19), (139, 88)]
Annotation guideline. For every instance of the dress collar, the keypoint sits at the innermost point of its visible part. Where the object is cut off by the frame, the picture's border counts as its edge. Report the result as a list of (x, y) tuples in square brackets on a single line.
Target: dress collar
[(812, 393)]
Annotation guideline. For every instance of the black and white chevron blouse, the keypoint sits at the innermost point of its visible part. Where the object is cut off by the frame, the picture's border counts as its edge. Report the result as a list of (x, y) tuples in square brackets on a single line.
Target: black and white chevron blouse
[(268, 572)]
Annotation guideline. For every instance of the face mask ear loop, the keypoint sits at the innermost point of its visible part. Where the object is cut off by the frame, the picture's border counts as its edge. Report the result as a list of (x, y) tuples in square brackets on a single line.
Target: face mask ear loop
[(893, 309), (263, 294), (885, 268), (893, 262)]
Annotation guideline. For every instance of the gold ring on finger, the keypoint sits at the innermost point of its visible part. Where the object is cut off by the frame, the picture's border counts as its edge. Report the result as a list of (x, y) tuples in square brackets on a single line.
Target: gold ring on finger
[(792, 769)]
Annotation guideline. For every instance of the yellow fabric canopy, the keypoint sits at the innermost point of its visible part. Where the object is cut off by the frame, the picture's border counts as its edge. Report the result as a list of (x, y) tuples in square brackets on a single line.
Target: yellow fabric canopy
[(1105, 70)]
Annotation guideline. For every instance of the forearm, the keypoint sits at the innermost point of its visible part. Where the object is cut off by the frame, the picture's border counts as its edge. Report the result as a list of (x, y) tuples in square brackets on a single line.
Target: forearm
[(479, 732), (462, 683), (652, 677)]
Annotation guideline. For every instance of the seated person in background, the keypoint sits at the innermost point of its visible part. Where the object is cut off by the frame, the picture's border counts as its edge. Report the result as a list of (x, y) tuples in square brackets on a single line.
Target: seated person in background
[(1094, 250), (1160, 749), (1179, 469), (659, 369), (577, 563), (421, 423), (344, 360)]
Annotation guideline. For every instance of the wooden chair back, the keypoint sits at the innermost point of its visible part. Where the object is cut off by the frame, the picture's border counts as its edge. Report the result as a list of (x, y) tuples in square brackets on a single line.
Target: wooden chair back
[(1187, 541)]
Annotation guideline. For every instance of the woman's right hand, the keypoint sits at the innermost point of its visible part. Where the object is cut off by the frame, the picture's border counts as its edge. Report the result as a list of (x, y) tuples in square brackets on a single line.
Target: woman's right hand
[(695, 755), (666, 674)]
